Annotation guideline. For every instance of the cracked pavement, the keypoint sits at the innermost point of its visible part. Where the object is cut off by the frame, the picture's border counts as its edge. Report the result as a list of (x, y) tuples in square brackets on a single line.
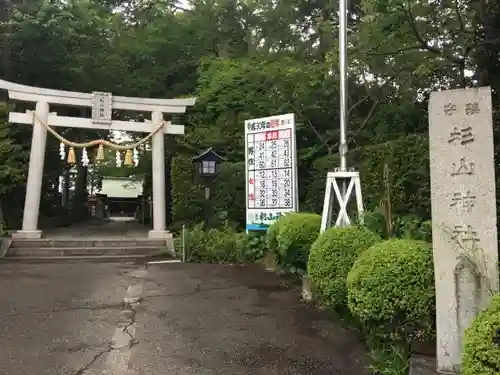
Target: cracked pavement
[(124, 318)]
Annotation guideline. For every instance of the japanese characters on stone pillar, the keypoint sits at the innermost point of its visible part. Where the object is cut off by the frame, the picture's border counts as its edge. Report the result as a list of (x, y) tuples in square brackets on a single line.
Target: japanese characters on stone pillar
[(464, 232)]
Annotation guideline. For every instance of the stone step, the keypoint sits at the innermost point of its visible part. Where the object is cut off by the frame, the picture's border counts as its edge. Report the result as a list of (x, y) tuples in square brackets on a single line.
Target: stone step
[(90, 242), (143, 251)]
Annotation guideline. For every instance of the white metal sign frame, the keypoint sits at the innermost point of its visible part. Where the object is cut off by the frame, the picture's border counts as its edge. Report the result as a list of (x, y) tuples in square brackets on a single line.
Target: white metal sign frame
[(270, 169)]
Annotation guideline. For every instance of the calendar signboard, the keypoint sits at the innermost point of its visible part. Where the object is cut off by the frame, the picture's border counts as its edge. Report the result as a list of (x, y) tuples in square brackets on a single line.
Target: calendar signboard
[(271, 170)]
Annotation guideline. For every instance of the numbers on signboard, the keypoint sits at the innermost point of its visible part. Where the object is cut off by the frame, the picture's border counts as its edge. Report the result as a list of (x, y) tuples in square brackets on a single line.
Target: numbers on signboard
[(262, 164), (274, 174), (261, 146), (262, 155), (275, 193), (274, 183), (286, 153), (286, 142), (274, 154), (288, 183), (273, 163), (262, 194), (274, 202), (262, 202), (287, 173), (288, 202), (262, 174), (287, 162), (263, 184), (274, 144), (288, 193)]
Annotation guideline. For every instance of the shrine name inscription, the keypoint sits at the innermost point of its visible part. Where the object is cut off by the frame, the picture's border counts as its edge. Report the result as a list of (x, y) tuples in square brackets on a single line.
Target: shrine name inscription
[(463, 201)]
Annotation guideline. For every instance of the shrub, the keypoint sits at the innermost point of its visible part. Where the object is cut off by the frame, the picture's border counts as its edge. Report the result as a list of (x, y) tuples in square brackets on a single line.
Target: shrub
[(481, 352), (391, 290), (375, 221), (296, 233), (413, 228), (410, 227), (255, 246), (221, 246), (330, 259), (408, 161), (271, 236)]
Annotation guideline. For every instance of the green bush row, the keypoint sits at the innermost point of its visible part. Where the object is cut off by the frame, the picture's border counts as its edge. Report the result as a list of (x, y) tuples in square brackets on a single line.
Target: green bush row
[(289, 239), (222, 246), (386, 287)]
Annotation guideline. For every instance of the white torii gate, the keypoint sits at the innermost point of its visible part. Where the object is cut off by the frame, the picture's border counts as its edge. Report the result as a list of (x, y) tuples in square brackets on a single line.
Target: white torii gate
[(102, 104)]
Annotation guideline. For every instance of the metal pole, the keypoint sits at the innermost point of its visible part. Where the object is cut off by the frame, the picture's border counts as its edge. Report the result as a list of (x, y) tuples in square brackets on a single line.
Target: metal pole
[(207, 210), (343, 83), (343, 94), (183, 238)]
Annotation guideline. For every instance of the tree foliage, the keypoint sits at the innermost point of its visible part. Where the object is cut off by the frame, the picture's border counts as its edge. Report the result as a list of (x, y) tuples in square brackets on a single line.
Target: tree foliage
[(249, 58)]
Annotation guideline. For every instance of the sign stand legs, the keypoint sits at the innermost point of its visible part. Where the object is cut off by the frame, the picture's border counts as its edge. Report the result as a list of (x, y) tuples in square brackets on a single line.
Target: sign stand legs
[(332, 191)]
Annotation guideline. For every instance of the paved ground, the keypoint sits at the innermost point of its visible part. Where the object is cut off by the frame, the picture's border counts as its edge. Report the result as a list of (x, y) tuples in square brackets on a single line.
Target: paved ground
[(81, 318)]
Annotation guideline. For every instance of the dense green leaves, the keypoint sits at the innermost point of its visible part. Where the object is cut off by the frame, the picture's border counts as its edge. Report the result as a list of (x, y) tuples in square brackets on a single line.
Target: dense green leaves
[(481, 353), (296, 233), (250, 58), (390, 289), (330, 259)]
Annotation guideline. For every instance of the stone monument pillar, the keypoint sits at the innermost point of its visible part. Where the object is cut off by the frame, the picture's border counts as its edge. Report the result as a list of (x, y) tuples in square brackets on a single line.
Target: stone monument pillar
[(464, 225)]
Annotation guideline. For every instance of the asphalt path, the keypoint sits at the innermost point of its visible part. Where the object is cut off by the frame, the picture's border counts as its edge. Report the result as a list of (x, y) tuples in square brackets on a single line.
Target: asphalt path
[(127, 318)]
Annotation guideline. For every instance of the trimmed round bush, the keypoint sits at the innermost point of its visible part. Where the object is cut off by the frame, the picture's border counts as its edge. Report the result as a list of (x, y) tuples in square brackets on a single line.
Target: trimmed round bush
[(295, 234), (481, 353), (330, 259), (390, 289)]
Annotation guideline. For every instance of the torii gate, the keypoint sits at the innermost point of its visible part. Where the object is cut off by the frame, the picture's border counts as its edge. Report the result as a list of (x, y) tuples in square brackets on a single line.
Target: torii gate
[(102, 104)]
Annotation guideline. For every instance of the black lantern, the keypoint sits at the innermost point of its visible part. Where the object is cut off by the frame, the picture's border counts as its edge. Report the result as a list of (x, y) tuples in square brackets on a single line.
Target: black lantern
[(207, 164)]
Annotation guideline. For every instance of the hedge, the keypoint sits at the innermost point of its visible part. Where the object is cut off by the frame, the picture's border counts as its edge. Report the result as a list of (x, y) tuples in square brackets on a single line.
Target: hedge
[(481, 351), (330, 259), (390, 289), (295, 234), (222, 246), (408, 163), (228, 193)]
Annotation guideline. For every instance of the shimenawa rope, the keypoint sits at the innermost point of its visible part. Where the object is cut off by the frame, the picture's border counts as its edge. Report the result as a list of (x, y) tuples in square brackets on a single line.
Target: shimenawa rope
[(97, 142)]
